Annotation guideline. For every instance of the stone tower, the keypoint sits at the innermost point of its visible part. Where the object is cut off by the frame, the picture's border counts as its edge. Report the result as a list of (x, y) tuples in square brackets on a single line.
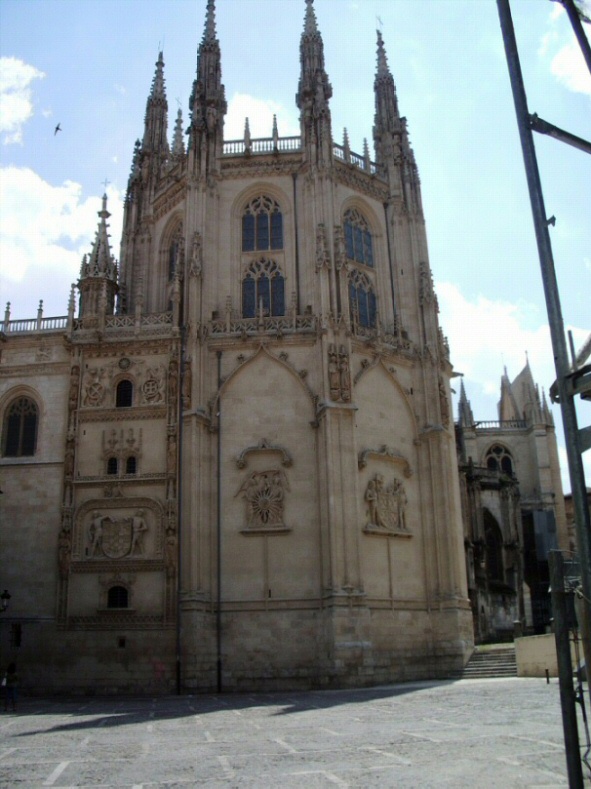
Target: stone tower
[(261, 484)]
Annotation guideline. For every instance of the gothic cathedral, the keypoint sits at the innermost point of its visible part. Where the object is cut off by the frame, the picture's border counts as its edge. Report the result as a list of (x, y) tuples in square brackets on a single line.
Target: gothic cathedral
[(233, 464)]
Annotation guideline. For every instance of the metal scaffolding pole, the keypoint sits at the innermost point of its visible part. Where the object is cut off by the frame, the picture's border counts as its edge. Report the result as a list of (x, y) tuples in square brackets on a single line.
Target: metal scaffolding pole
[(559, 346)]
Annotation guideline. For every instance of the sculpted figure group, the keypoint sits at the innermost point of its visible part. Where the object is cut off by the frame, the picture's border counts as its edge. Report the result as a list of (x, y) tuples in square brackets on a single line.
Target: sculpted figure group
[(386, 505)]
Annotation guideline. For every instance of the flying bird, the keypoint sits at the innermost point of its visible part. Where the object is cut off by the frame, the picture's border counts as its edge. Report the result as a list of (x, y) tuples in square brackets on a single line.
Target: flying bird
[(57, 128)]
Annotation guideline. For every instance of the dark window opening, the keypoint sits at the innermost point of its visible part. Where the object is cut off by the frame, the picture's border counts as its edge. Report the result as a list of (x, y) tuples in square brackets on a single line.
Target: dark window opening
[(131, 465), (263, 287), (20, 429), (117, 597), (112, 466), (124, 396), (358, 238)]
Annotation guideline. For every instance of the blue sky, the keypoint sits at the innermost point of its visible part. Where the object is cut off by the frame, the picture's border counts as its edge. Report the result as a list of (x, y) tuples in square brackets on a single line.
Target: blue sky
[(88, 64)]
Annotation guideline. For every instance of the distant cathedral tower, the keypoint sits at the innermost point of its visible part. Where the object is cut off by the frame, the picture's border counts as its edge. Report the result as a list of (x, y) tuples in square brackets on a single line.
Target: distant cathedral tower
[(260, 483)]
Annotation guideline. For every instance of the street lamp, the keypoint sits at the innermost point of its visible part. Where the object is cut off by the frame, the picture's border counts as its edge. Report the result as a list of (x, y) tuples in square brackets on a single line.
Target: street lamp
[(4, 600)]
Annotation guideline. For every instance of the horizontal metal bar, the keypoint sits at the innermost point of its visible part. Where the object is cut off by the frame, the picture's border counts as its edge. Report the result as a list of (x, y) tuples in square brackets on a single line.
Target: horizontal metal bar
[(543, 127)]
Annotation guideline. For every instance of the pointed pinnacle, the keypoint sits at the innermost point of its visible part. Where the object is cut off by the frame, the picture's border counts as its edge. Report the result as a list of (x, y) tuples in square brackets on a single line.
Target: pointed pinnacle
[(310, 25), (383, 69), (158, 81), (209, 32)]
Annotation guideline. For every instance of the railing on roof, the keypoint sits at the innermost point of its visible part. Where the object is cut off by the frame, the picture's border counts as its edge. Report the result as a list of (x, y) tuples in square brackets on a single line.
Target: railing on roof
[(266, 145), (262, 145), (504, 424), (29, 325), (345, 155)]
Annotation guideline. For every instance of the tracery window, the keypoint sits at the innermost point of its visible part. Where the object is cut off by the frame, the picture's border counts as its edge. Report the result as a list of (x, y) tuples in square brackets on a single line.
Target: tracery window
[(358, 239), (19, 433), (499, 459), (263, 286), (124, 394), (117, 597), (362, 300), (262, 225)]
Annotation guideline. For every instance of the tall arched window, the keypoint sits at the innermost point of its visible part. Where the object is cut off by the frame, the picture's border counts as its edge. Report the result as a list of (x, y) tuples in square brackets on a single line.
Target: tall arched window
[(112, 465), (262, 225), (358, 239), (263, 285), (131, 465), (499, 459), (362, 300), (124, 394), (19, 431)]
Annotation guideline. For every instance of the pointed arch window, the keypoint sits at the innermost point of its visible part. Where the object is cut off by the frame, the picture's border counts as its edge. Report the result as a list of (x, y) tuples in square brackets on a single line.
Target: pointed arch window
[(131, 465), (262, 225), (499, 459), (362, 300), (112, 465), (263, 287), (358, 238), (19, 431)]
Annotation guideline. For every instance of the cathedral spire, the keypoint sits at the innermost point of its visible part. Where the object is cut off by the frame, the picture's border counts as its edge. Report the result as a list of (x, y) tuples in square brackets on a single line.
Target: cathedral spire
[(178, 147), (314, 92), (394, 155), (208, 101), (98, 272), (466, 417), (156, 120)]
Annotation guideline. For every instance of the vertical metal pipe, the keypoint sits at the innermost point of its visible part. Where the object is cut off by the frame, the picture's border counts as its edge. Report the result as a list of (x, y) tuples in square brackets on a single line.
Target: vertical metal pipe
[(575, 21), (219, 532), (565, 672), (561, 362)]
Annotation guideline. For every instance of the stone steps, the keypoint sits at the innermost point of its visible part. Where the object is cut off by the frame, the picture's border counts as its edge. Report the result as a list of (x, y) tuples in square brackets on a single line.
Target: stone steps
[(490, 663)]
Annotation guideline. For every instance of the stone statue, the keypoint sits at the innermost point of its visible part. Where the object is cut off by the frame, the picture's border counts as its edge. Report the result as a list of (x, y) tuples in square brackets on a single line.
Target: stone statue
[(138, 529)]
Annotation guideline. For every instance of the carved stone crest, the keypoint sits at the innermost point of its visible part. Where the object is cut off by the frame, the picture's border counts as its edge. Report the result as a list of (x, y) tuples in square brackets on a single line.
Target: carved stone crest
[(386, 505)]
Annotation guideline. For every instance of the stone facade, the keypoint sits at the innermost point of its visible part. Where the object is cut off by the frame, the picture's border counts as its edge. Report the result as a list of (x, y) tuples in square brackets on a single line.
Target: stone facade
[(238, 464), (513, 509)]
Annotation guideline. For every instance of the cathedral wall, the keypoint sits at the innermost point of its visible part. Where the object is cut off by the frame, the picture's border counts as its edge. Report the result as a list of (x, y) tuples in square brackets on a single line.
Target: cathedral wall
[(385, 430)]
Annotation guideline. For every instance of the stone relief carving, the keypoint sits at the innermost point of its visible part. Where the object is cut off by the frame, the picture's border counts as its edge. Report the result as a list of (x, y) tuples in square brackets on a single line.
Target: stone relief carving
[(322, 254), (264, 493), (426, 292), (116, 537), (94, 390), (264, 446), (187, 384), (196, 264), (339, 247), (152, 388), (386, 505), (339, 375), (385, 453)]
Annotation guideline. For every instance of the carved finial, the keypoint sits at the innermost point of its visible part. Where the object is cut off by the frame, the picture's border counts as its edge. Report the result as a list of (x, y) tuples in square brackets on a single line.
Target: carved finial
[(209, 32), (247, 138), (275, 132)]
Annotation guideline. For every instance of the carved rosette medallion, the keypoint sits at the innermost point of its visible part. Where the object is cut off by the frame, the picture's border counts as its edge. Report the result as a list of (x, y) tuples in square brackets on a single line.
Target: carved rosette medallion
[(264, 494)]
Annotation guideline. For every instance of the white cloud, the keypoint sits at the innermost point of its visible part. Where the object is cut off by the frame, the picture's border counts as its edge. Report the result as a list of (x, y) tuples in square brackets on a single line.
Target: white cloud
[(44, 231), (569, 68), (260, 118), (485, 335), (16, 106)]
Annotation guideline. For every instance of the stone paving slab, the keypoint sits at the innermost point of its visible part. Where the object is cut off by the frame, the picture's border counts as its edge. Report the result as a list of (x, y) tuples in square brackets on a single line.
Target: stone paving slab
[(487, 734)]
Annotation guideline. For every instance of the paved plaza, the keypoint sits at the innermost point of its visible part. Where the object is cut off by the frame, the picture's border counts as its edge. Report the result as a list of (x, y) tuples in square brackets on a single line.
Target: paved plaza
[(471, 733)]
